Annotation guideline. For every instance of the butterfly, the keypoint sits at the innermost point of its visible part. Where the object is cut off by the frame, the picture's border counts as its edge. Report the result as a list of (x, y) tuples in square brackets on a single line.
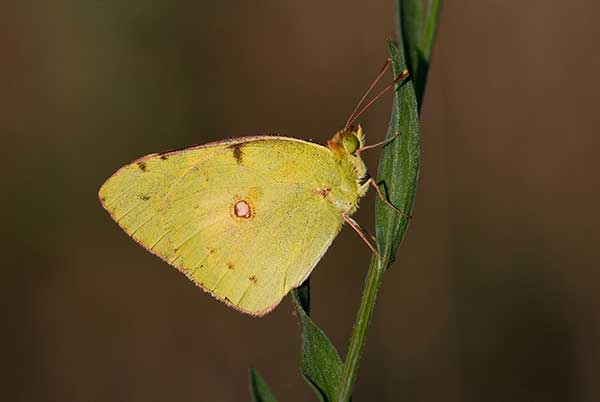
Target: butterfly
[(248, 218)]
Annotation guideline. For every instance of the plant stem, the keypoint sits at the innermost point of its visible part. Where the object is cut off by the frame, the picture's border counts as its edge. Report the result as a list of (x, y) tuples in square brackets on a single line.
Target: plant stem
[(361, 326), (403, 173)]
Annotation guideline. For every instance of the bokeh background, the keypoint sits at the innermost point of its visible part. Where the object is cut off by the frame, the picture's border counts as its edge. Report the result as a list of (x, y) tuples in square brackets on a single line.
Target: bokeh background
[(495, 293)]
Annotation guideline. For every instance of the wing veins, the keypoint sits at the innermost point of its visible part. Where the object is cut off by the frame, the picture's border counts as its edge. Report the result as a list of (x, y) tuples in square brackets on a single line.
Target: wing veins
[(133, 232), (167, 232)]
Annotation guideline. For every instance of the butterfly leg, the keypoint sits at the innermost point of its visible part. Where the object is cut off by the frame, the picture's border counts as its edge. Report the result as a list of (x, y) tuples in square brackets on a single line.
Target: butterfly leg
[(362, 233), (378, 144), (373, 183)]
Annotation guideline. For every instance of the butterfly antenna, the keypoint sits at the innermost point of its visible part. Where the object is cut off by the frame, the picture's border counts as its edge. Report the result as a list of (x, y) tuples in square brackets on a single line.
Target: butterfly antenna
[(356, 115), (385, 67)]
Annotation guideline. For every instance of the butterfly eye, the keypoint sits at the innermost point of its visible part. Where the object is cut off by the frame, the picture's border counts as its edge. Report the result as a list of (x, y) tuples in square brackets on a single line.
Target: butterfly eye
[(351, 143)]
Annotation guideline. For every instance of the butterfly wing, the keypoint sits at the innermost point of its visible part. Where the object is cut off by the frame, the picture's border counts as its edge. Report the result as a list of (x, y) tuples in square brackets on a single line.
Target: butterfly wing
[(241, 218)]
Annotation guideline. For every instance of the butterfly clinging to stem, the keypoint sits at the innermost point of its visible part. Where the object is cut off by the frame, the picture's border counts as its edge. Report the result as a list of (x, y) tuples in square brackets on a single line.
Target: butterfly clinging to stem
[(248, 218)]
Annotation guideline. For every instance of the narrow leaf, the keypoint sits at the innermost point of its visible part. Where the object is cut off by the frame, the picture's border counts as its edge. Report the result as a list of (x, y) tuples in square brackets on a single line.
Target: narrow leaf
[(410, 19), (399, 164), (426, 47), (303, 294), (320, 363), (259, 390)]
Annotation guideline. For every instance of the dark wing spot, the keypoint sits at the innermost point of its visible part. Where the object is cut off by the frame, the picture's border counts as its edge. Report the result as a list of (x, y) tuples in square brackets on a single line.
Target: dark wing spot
[(164, 157), (227, 300), (230, 266), (144, 197), (142, 166), (252, 279), (211, 250), (323, 192), (237, 152)]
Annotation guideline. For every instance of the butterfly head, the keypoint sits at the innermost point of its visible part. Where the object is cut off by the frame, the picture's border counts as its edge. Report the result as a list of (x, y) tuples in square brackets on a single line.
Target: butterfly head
[(349, 140)]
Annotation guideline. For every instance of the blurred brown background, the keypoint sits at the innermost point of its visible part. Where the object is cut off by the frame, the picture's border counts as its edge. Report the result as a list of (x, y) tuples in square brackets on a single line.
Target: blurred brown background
[(495, 294)]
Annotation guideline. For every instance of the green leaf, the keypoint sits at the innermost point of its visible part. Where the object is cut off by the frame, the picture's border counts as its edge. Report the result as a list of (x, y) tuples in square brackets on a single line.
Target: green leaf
[(320, 363), (398, 165), (431, 26), (417, 39), (426, 47), (259, 390), (410, 19), (303, 294)]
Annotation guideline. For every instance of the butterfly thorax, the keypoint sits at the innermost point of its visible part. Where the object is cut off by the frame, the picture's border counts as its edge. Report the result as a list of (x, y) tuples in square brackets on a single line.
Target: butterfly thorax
[(344, 145)]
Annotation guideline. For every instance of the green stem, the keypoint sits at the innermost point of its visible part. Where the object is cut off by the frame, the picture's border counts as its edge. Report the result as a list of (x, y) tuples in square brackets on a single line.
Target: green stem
[(361, 326), (406, 174)]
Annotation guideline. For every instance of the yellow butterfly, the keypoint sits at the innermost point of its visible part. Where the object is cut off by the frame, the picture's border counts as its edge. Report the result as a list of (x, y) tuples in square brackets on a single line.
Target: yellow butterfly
[(246, 219)]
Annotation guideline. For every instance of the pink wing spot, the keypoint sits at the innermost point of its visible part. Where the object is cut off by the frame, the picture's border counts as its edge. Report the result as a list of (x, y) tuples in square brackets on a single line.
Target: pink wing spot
[(241, 209)]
